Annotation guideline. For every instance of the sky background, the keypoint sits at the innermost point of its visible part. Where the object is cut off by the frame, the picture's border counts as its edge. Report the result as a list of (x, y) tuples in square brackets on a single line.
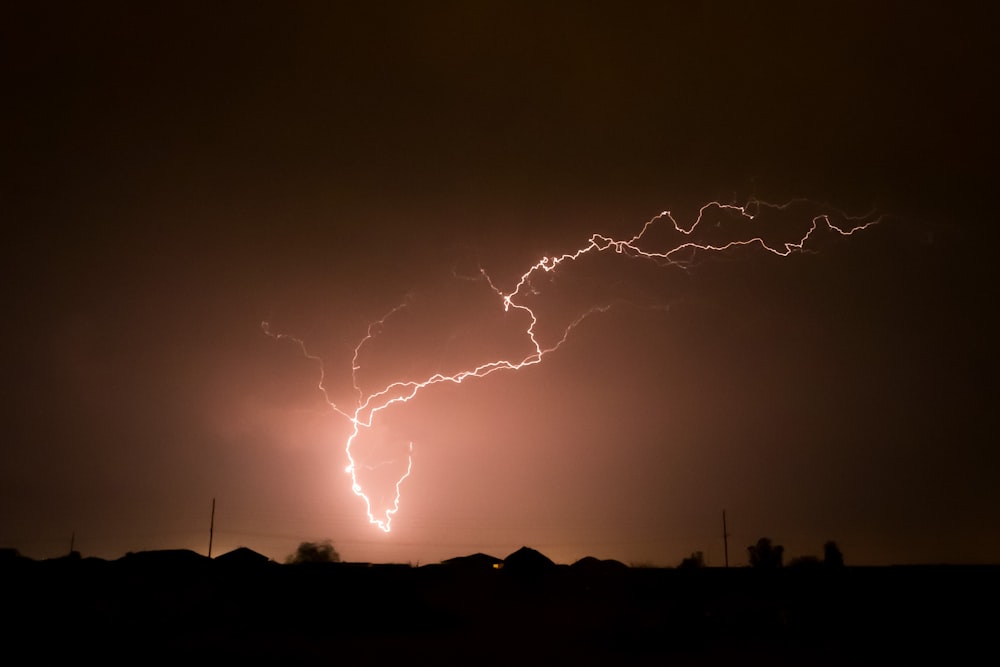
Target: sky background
[(173, 174)]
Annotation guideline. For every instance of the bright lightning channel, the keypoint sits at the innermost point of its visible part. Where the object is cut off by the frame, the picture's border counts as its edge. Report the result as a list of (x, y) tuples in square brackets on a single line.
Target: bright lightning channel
[(367, 406)]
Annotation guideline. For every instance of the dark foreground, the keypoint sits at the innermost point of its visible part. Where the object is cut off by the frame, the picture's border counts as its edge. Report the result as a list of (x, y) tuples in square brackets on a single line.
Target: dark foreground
[(181, 607)]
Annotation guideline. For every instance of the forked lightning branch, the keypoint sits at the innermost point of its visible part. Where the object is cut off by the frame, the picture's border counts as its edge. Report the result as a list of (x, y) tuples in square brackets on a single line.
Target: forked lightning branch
[(738, 225)]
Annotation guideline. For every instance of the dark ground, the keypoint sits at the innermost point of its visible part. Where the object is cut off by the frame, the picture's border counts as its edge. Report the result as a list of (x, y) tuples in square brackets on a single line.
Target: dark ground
[(177, 606)]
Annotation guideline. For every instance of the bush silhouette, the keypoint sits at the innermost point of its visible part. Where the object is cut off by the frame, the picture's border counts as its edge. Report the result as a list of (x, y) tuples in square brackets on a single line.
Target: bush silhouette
[(314, 552), (694, 561), (832, 556), (765, 555)]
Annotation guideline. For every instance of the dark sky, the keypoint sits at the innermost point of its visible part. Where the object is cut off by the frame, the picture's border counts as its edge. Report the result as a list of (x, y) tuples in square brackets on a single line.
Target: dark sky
[(173, 174)]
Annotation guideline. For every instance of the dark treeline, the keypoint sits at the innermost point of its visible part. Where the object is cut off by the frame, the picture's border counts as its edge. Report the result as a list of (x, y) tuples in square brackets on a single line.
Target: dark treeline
[(178, 605)]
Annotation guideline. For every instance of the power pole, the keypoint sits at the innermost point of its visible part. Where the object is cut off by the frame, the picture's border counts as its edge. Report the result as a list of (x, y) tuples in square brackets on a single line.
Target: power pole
[(211, 529), (725, 537), (72, 542)]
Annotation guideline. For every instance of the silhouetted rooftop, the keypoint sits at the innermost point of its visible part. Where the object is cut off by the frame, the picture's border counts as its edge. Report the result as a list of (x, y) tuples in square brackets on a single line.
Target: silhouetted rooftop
[(243, 556), (473, 561)]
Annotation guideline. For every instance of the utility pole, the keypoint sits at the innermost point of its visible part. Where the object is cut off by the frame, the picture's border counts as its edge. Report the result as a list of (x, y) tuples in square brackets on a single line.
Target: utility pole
[(725, 537), (211, 529), (72, 542)]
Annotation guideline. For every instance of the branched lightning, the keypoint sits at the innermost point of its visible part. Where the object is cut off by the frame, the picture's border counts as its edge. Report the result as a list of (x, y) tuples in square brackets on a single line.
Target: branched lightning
[(680, 254)]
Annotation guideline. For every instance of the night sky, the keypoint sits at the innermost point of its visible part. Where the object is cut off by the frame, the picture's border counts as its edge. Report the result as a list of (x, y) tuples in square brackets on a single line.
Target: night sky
[(174, 174)]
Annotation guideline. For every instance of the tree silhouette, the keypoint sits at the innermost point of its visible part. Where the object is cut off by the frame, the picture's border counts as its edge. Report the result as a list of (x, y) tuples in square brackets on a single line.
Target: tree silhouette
[(314, 552), (832, 557), (694, 561), (765, 555)]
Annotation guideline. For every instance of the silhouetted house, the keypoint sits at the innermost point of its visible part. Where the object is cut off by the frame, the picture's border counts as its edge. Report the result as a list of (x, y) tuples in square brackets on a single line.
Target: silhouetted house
[(165, 560), (588, 565), (478, 562), (526, 562), (71, 557), (242, 557), (8, 554)]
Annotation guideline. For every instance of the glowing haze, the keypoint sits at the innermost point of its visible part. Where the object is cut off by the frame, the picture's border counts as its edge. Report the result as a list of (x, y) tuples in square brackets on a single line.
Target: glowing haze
[(366, 458), (448, 217)]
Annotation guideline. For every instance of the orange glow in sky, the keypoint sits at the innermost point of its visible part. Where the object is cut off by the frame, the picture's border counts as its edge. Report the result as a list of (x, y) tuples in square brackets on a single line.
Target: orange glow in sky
[(449, 217), (379, 467)]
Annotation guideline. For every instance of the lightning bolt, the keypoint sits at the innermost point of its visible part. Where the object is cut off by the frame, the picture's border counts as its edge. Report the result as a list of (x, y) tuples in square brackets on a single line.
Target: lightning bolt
[(682, 252)]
